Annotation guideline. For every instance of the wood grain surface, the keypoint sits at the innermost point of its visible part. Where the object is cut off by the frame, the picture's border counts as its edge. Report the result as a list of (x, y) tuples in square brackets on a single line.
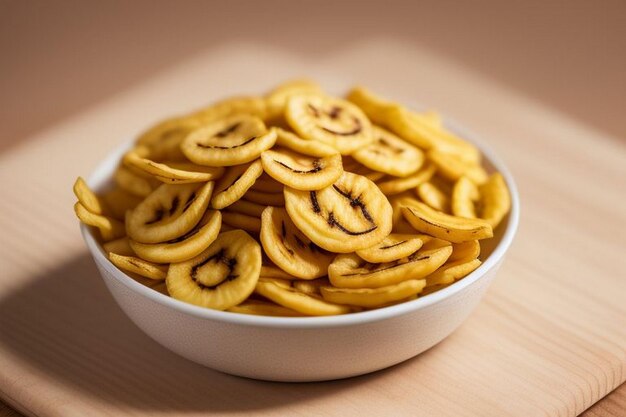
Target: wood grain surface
[(548, 339)]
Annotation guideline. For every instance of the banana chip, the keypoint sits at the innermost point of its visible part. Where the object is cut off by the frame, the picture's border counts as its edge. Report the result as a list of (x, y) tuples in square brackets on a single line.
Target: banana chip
[(272, 271), (452, 271), (300, 171), (168, 213), (392, 248), (237, 106), (350, 271), (231, 141), (289, 248), (235, 183), (495, 200), (222, 276), (184, 247), (264, 308), (242, 221), (133, 182), (88, 198), (464, 194), (163, 140), (394, 185), (118, 201), (119, 246), (453, 167), (299, 301), (376, 108), (430, 194), (277, 99), (349, 215), (444, 226), (307, 147), (373, 297), (390, 154), (465, 250), (174, 172), (109, 228), (139, 266), (247, 207), (310, 286), (330, 120)]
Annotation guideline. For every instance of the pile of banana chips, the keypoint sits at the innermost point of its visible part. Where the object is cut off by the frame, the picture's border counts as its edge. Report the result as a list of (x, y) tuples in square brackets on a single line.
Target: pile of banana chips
[(297, 203)]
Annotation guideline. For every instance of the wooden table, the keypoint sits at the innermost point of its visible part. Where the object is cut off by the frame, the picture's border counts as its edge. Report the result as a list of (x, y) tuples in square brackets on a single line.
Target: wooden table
[(548, 339)]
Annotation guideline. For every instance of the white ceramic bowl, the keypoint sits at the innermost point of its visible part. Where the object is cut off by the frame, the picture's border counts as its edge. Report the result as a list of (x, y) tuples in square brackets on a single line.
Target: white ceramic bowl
[(305, 348)]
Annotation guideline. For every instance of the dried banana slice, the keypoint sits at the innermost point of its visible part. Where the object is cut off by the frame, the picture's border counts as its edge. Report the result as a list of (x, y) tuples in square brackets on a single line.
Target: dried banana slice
[(330, 120), (284, 283), (432, 195), (373, 297), (247, 207), (349, 215), (251, 106), (390, 154), (352, 165), (452, 167), (235, 183), (119, 246), (174, 172), (169, 212), (222, 276), (350, 271), (272, 271), (184, 247), (119, 201), (452, 271), (163, 140), (139, 266), (375, 107), (464, 194), (310, 286), (307, 147), (289, 248), (299, 301), (494, 200), (242, 221), (444, 226), (133, 182), (264, 308), (109, 228), (277, 99), (226, 142), (465, 250), (392, 248), (393, 185), (88, 198), (265, 198), (300, 171)]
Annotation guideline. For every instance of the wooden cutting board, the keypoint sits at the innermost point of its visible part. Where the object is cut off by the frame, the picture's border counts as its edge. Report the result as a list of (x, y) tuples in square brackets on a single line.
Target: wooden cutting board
[(548, 339)]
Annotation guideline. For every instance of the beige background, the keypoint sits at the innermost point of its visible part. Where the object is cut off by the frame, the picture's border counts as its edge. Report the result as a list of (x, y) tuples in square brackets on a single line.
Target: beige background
[(61, 59)]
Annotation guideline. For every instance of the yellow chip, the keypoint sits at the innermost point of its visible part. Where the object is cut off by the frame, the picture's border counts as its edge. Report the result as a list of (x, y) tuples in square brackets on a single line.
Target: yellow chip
[(163, 140), (184, 247), (264, 308), (289, 248), (393, 185), (452, 167), (310, 286), (391, 248), (350, 271), (349, 215), (242, 221), (465, 250), (390, 154), (120, 246), (373, 297), (452, 271), (222, 276), (300, 171), (307, 147), (139, 266), (235, 184), (119, 201), (272, 271), (276, 100), (227, 142), (430, 194), (375, 107), (133, 182), (299, 301), (109, 228), (495, 200), (236, 106), (464, 194), (88, 198), (330, 120), (174, 172), (247, 207), (169, 212)]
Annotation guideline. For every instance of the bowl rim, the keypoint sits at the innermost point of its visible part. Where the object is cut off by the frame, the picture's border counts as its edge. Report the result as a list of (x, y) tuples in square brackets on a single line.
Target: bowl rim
[(102, 174)]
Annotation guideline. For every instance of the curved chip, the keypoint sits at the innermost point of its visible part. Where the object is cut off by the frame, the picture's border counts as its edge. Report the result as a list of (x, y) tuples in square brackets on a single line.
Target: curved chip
[(304, 146), (264, 308), (118, 201), (173, 172), (330, 120), (373, 297), (452, 271), (120, 246), (464, 195), (349, 215), (139, 266), (236, 106), (432, 195), (453, 167), (88, 198), (350, 271), (222, 276), (169, 212), (226, 142), (465, 250), (184, 247), (310, 286), (109, 228), (300, 171), (134, 182), (289, 248), (495, 200), (247, 207), (277, 98), (242, 221), (393, 185), (299, 301), (445, 226), (390, 154), (392, 248), (232, 186), (163, 140), (271, 271)]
